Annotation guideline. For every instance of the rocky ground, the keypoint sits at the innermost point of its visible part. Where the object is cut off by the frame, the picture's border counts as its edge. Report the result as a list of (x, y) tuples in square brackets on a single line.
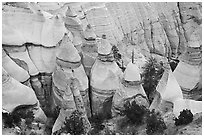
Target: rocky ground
[(117, 126), (193, 128)]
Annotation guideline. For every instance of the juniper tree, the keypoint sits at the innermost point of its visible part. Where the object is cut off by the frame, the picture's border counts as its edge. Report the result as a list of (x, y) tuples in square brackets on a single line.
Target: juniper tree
[(151, 75)]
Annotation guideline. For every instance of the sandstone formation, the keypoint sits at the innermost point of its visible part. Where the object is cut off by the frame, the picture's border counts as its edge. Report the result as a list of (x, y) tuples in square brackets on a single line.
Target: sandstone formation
[(45, 45), (89, 49), (104, 79), (130, 89), (170, 92), (16, 94), (191, 61), (11, 67), (31, 25), (69, 66), (80, 105)]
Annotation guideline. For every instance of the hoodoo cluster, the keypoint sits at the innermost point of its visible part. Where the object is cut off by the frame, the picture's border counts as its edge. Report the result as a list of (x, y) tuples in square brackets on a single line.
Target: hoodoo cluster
[(61, 56)]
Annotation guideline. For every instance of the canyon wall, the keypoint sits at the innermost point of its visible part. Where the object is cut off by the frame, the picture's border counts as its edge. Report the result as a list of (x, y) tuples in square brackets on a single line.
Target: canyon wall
[(33, 33)]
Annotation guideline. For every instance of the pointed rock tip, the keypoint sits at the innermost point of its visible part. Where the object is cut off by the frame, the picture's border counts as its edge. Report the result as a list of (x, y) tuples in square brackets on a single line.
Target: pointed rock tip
[(132, 72)]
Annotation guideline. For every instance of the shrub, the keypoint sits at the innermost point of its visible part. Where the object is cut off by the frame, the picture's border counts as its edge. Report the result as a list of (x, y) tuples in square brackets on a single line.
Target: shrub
[(107, 131), (72, 125), (134, 112), (8, 120), (14, 118), (23, 113), (56, 113), (155, 123), (184, 118), (118, 57), (151, 75), (96, 123), (29, 118), (124, 127), (116, 53)]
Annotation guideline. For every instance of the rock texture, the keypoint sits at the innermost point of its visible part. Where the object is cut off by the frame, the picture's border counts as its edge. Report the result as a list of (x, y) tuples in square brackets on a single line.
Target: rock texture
[(194, 128), (31, 25), (170, 93), (14, 91), (130, 89), (89, 49), (104, 80), (33, 35), (67, 95)]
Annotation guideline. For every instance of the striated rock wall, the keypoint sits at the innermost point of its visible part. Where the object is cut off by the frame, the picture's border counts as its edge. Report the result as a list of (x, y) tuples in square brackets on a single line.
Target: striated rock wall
[(33, 33)]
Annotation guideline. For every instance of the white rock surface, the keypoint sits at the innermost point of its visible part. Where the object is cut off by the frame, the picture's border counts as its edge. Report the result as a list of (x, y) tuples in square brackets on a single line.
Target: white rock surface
[(169, 29), (180, 104), (129, 91), (11, 67), (132, 72), (187, 75), (104, 80), (25, 57), (37, 28), (15, 94)]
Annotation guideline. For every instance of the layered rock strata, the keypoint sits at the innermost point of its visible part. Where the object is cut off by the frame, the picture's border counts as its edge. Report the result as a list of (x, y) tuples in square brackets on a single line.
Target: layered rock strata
[(89, 49), (130, 90), (31, 25), (70, 97), (191, 60), (68, 66), (15, 94), (80, 104), (104, 79), (33, 33), (170, 97)]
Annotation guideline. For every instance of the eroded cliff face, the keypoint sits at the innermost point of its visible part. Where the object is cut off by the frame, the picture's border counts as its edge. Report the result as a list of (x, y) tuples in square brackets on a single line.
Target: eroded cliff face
[(34, 32)]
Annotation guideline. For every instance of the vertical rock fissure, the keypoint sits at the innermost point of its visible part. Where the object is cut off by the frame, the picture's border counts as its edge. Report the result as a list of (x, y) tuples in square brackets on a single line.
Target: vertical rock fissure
[(180, 30), (152, 37), (46, 81), (26, 45), (179, 12), (168, 51), (181, 18), (177, 28), (90, 93)]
